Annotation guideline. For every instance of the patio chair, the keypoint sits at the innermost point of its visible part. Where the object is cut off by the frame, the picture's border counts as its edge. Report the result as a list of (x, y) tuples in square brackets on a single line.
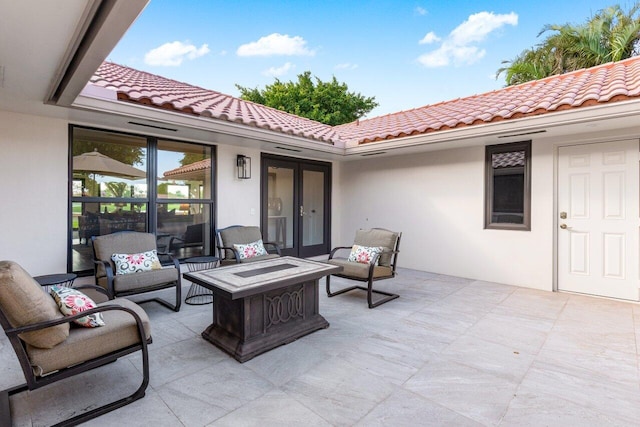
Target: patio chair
[(232, 240), (49, 350), (193, 237), (122, 279), (368, 265)]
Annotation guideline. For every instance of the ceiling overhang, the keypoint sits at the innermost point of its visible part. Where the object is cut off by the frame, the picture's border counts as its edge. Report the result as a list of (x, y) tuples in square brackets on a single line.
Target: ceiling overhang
[(102, 25)]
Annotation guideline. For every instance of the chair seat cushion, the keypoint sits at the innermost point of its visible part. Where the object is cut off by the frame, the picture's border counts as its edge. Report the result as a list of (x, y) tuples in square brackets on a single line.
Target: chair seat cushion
[(24, 303), (360, 271), (85, 344), (142, 280)]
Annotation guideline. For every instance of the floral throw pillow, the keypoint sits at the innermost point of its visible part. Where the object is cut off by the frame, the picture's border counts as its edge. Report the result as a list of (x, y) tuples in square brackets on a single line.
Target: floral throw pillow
[(364, 254), (251, 250), (71, 301), (134, 263)]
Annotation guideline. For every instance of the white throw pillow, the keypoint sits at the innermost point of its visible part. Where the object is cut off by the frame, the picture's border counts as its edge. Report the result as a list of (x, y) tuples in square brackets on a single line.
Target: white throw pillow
[(364, 254), (134, 263), (251, 250)]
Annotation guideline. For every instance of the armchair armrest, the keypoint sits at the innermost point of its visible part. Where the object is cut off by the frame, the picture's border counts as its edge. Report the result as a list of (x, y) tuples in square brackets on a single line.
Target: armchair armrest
[(236, 254), (336, 249), (169, 259), (69, 319), (108, 269), (275, 246)]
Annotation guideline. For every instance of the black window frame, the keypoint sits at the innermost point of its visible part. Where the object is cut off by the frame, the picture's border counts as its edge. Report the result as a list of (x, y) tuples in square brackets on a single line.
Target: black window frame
[(152, 196), (490, 150)]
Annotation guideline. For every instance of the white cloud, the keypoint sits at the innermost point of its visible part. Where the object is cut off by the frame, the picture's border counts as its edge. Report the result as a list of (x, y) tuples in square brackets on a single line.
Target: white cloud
[(276, 44), (421, 11), (172, 54), (346, 66), (479, 26), (429, 38), (279, 71), (460, 45)]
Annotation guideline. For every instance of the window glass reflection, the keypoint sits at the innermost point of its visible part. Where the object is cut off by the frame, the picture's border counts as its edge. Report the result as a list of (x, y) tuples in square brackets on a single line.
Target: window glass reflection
[(184, 171)]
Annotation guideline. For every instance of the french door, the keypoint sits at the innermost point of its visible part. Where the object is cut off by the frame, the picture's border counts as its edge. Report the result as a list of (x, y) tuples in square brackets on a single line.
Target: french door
[(296, 205), (598, 219)]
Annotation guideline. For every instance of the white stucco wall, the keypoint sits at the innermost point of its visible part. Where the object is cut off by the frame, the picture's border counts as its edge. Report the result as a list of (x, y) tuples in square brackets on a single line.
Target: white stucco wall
[(437, 200), (238, 199), (33, 168)]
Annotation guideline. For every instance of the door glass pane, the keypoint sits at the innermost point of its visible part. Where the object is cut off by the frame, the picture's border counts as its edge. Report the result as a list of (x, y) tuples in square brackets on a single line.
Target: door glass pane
[(312, 208), (280, 208)]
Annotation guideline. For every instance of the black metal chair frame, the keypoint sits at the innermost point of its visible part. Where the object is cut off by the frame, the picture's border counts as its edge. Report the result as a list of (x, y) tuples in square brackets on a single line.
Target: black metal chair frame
[(110, 286), (222, 249), (388, 296), (34, 382)]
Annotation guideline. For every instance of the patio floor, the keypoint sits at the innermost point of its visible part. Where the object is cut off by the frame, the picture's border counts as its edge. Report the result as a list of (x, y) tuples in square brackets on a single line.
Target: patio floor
[(449, 351)]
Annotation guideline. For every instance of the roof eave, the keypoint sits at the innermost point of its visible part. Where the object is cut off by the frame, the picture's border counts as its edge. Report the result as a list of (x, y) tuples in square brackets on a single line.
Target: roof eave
[(102, 102), (497, 131)]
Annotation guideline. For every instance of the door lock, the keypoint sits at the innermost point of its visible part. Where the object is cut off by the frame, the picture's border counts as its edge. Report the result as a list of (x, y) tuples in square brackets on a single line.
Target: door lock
[(563, 215)]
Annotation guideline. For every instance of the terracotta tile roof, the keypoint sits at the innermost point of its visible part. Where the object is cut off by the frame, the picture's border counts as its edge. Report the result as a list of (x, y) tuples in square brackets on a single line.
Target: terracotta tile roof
[(506, 160), (193, 170), (611, 82), (149, 89), (606, 83)]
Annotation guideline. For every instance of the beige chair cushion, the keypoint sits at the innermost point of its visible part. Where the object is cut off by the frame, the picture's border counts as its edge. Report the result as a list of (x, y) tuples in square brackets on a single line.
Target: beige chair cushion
[(378, 237), (355, 269), (24, 303), (121, 243), (85, 344), (142, 280), (238, 236)]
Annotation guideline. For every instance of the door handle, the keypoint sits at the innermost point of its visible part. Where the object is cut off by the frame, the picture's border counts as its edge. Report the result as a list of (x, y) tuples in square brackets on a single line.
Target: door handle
[(563, 226)]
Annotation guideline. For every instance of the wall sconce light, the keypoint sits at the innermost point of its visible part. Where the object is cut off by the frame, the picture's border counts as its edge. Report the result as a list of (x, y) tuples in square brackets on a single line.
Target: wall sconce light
[(244, 166)]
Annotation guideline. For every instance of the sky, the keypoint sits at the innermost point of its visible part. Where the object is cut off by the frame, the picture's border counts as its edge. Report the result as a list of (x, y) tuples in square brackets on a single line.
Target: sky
[(405, 54)]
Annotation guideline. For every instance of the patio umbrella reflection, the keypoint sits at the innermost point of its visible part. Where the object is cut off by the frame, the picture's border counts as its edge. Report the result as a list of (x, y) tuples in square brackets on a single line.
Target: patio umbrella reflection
[(97, 163)]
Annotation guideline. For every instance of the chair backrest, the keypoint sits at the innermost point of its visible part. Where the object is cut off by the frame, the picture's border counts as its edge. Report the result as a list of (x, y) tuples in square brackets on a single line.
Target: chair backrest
[(194, 234), (236, 235), (23, 302), (124, 242), (388, 240)]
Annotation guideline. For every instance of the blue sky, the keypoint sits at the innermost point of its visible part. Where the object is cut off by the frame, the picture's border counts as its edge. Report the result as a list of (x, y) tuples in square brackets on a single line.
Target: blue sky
[(406, 54)]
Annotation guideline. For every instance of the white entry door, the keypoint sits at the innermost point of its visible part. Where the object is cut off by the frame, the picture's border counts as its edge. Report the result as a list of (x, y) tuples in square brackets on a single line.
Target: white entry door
[(598, 196)]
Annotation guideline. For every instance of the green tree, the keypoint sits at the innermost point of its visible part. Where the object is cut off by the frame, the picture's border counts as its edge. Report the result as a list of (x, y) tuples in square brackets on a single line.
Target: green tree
[(326, 102), (610, 35)]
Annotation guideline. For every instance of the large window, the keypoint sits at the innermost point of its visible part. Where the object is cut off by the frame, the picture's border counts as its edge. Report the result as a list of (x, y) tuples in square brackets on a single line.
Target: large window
[(184, 194), (508, 186), (115, 187)]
